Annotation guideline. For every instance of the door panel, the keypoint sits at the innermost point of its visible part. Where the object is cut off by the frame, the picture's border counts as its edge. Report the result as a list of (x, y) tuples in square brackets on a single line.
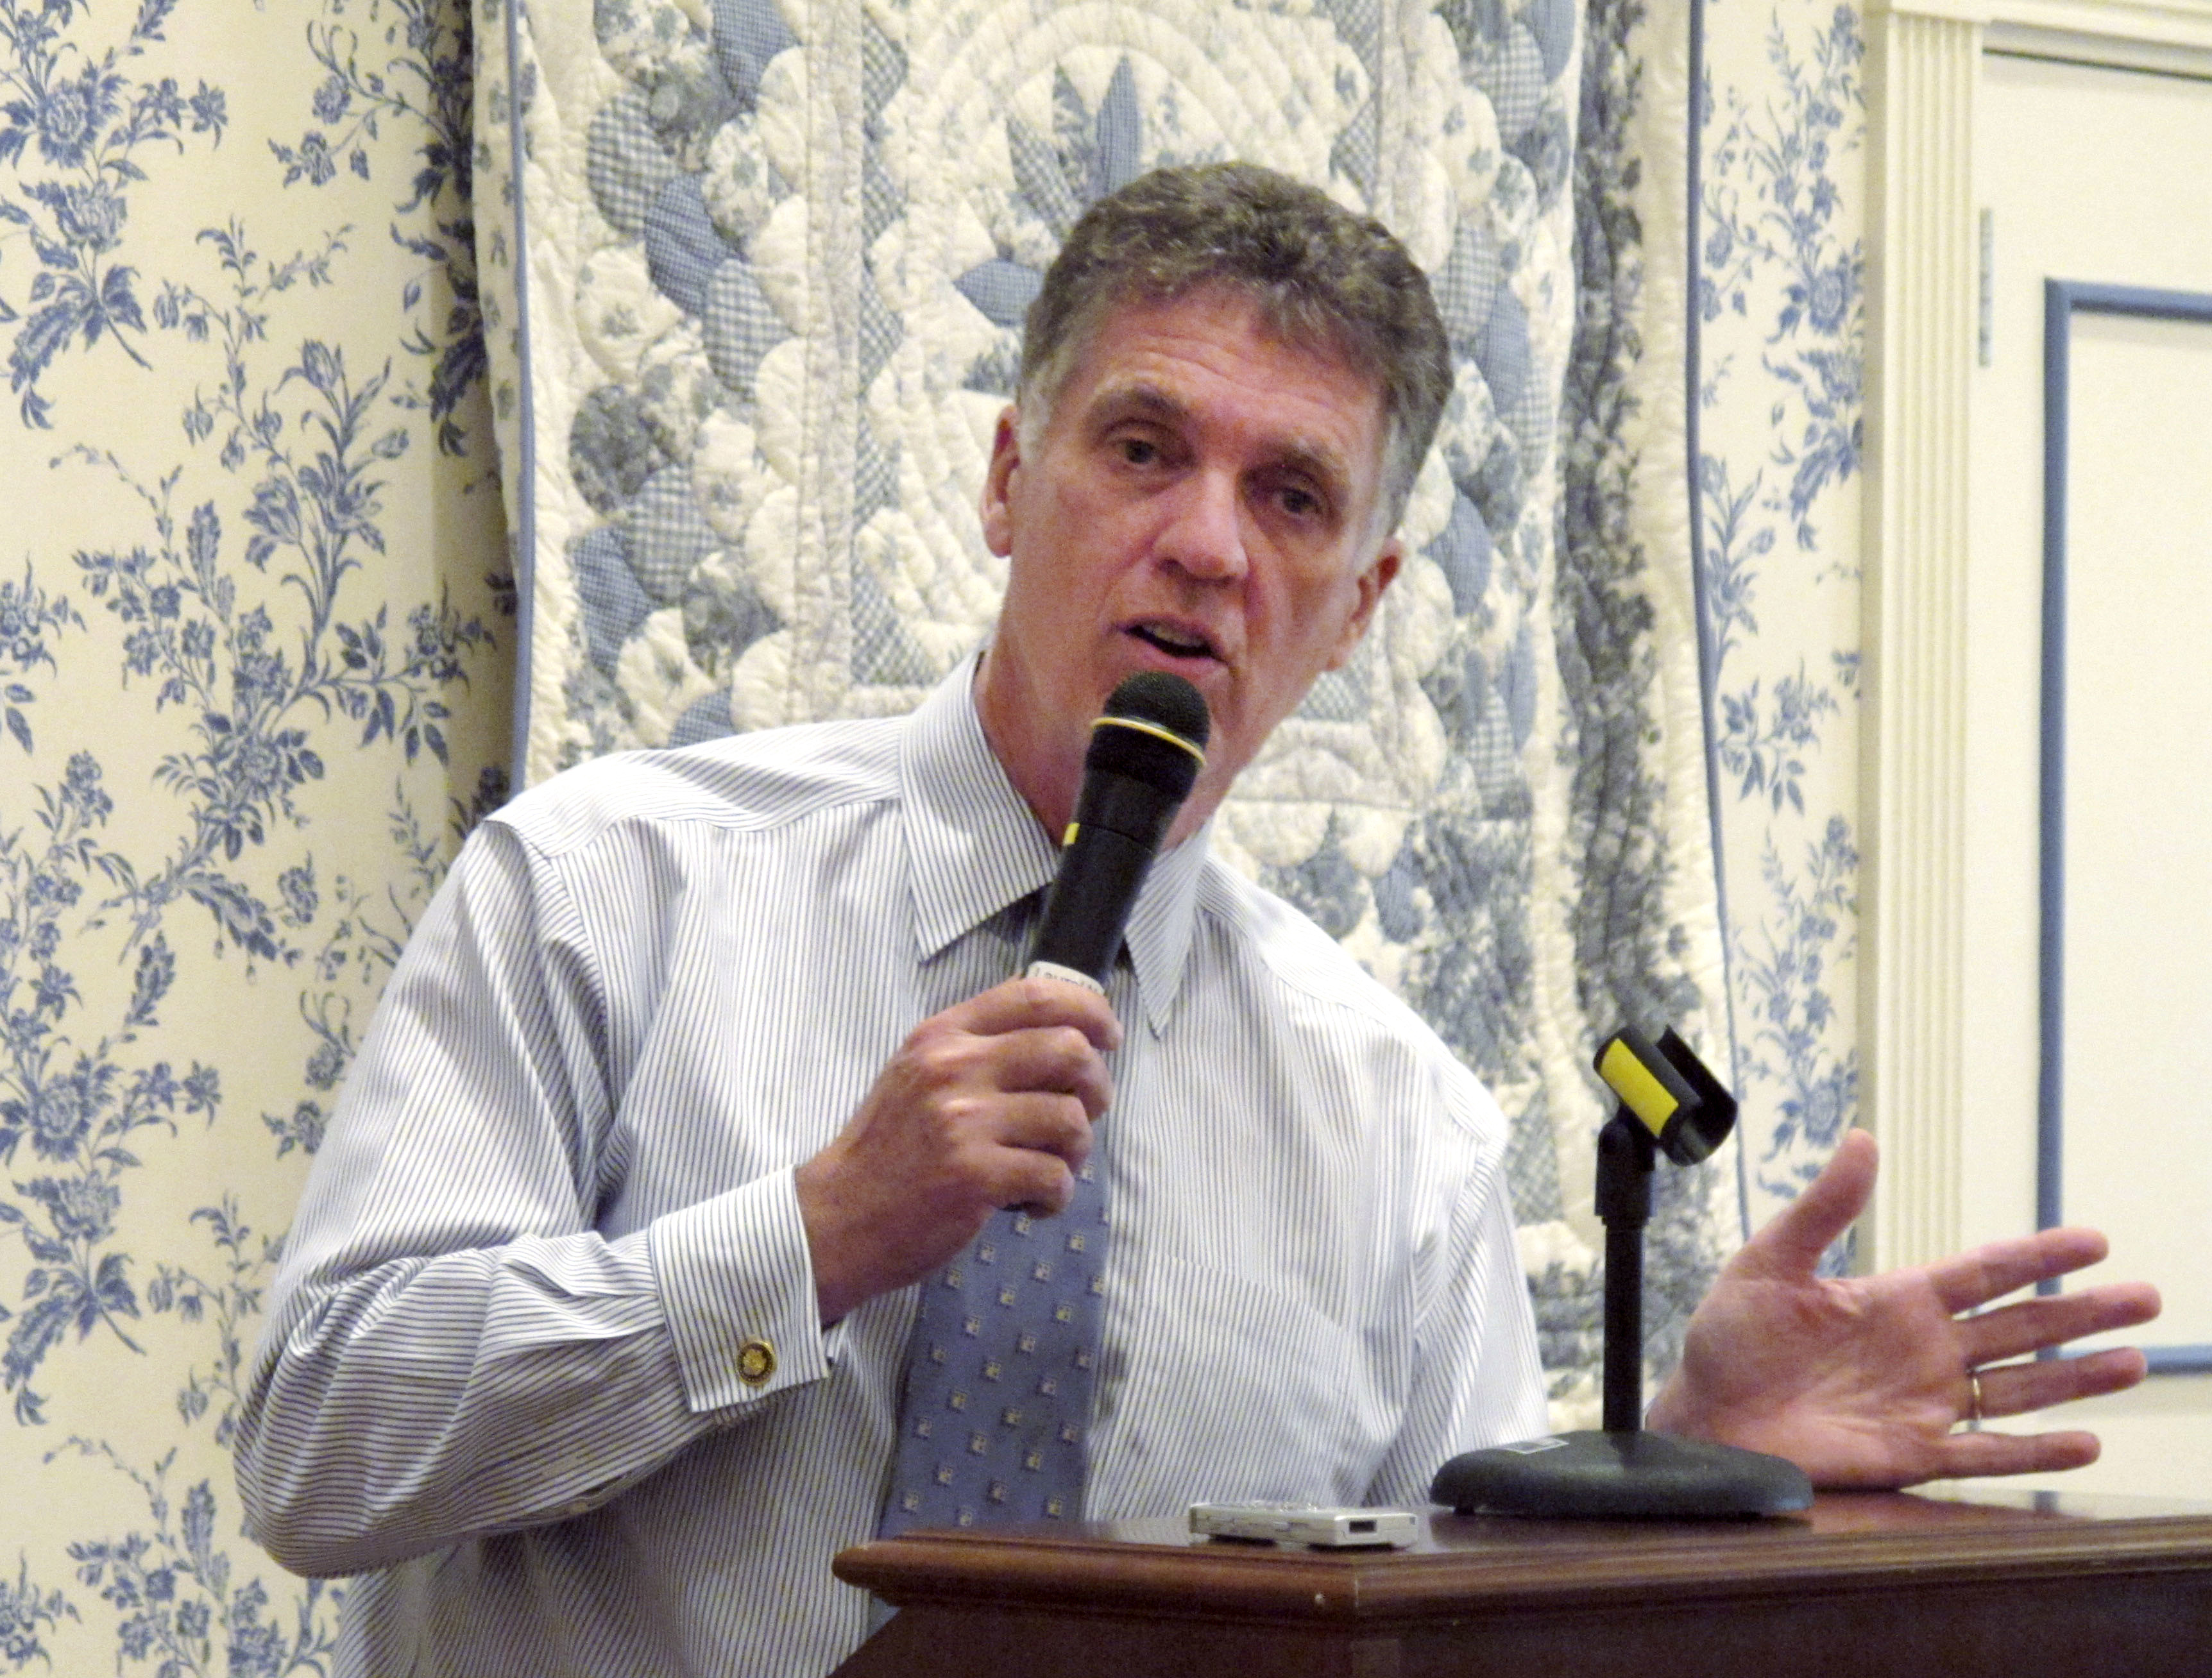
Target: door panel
[(2102, 176)]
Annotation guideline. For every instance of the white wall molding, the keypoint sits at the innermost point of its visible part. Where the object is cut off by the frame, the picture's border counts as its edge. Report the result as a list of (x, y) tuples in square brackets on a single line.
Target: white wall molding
[(1923, 296), (2022, 40), (1926, 65), (2171, 22)]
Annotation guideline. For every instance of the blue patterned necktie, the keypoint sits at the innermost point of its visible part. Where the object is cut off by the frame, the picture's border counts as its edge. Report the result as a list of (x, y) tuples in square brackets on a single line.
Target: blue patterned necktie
[(999, 1373)]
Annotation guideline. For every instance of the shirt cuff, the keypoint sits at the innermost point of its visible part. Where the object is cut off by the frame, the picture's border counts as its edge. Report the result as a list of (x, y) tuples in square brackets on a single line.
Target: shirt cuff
[(737, 1284)]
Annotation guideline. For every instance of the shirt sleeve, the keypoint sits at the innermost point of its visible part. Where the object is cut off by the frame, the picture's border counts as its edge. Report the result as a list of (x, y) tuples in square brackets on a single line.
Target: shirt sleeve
[(452, 1347), (1480, 1379)]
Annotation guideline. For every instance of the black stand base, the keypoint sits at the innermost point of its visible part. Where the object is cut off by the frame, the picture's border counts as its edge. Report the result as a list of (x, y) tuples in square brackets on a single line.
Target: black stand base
[(1621, 1477)]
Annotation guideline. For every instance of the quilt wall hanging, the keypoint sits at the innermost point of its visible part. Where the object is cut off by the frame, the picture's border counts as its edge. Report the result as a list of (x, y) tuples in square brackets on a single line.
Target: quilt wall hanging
[(754, 294)]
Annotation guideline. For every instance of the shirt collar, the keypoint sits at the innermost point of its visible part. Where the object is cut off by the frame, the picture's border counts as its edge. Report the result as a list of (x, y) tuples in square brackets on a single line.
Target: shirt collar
[(972, 847)]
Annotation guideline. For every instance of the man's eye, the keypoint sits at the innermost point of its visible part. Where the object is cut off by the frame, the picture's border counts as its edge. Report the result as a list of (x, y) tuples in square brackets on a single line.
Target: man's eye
[(1298, 503), (1138, 451)]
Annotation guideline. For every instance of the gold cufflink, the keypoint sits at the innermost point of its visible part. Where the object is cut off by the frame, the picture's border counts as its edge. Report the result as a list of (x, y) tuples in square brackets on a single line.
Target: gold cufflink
[(755, 1362)]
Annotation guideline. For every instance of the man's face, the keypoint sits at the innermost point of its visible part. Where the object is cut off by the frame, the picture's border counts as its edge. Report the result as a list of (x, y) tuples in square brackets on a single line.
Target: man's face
[(1202, 500)]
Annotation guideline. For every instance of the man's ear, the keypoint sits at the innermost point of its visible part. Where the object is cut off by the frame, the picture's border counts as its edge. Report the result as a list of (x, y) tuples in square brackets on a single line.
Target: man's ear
[(1382, 571), (996, 507)]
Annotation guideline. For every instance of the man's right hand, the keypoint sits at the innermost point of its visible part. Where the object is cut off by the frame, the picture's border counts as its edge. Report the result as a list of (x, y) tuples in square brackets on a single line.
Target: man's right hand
[(986, 1105)]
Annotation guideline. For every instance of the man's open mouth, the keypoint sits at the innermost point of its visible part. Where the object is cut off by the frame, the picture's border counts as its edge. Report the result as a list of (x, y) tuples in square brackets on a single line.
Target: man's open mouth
[(1176, 643)]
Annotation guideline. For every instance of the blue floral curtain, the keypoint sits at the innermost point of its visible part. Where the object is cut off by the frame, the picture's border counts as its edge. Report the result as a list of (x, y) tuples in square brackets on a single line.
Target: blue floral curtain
[(1781, 303), (256, 648)]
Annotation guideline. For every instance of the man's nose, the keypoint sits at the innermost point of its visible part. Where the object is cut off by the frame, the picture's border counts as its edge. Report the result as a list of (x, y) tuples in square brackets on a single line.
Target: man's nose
[(1205, 533)]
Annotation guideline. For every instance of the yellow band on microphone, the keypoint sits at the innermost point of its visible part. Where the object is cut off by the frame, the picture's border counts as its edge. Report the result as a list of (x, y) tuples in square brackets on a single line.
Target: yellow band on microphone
[(1152, 728), (1633, 1081)]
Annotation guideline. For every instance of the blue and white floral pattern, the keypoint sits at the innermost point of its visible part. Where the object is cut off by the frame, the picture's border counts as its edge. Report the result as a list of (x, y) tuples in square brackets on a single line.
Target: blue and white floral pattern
[(253, 669), (81, 121), (1782, 261)]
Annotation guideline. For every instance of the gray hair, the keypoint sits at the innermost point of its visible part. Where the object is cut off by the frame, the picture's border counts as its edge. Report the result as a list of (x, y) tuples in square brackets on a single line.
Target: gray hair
[(1321, 278)]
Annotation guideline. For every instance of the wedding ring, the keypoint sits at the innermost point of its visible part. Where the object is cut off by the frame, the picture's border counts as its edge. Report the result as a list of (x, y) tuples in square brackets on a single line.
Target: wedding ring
[(1974, 1396)]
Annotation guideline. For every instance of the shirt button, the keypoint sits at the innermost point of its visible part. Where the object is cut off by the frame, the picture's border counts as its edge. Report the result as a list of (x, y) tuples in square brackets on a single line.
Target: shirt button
[(755, 1362)]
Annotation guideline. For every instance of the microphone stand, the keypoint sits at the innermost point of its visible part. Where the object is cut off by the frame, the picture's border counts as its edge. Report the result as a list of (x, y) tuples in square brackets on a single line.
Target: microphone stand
[(1625, 1155), (1668, 1102)]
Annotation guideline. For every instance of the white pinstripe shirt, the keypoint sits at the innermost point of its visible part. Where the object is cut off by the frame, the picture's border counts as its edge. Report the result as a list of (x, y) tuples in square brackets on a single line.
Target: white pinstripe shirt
[(502, 1362)]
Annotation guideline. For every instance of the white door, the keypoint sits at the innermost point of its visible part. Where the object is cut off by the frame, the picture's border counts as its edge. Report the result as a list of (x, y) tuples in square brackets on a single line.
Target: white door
[(2104, 177)]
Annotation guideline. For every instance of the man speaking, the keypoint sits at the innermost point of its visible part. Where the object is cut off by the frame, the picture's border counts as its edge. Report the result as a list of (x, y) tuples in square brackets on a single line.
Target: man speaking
[(709, 1197)]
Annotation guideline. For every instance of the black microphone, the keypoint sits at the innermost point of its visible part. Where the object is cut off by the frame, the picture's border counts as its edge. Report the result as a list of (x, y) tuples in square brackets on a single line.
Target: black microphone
[(1145, 750)]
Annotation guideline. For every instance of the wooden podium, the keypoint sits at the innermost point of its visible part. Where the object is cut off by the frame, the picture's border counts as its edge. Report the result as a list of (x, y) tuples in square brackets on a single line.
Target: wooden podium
[(1985, 1584)]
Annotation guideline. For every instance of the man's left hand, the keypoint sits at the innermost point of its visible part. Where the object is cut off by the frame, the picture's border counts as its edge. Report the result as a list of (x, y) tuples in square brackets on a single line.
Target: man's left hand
[(1860, 1380)]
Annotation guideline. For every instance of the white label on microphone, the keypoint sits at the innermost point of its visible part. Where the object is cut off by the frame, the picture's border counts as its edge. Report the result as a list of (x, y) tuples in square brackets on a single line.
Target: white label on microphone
[(1053, 969)]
